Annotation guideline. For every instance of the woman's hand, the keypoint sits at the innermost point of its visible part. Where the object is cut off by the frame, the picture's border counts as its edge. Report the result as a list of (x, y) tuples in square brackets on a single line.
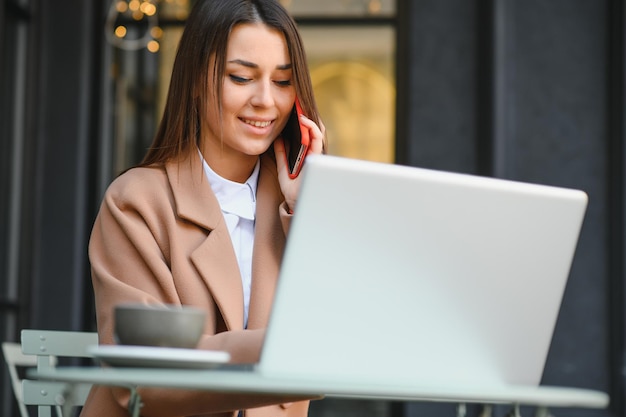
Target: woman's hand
[(291, 187)]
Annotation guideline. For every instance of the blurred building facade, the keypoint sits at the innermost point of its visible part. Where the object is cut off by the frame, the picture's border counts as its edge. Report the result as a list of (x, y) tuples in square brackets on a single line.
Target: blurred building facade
[(527, 90)]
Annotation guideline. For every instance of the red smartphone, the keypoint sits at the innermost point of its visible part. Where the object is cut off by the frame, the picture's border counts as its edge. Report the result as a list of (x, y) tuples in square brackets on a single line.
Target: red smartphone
[(296, 139)]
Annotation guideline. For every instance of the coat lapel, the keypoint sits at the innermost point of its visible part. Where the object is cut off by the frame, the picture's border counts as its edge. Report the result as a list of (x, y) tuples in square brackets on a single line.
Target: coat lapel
[(217, 264), (269, 243), (215, 258)]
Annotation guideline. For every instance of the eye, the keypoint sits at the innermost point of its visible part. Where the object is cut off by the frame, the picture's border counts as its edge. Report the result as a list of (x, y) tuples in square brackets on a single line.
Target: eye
[(238, 80), (283, 83)]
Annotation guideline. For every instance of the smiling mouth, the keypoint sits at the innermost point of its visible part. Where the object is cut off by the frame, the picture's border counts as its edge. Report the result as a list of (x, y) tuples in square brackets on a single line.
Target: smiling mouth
[(257, 123)]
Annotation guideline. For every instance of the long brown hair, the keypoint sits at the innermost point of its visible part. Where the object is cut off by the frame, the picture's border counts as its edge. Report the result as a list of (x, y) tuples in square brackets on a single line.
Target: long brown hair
[(206, 35)]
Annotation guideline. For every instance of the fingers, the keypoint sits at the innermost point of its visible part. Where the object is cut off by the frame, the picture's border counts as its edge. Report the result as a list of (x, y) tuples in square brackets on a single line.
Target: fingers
[(316, 134)]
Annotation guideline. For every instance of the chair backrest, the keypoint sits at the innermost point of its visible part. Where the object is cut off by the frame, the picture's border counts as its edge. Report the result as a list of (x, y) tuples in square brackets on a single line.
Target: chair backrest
[(15, 359), (44, 344)]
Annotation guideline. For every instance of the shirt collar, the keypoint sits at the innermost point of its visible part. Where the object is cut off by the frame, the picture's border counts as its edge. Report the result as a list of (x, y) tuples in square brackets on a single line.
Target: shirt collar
[(234, 198)]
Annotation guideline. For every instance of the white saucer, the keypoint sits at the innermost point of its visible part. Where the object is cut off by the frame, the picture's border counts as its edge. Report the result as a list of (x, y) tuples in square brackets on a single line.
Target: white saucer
[(158, 357)]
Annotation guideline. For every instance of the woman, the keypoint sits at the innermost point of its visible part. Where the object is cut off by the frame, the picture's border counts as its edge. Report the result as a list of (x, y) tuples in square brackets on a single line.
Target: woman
[(202, 221)]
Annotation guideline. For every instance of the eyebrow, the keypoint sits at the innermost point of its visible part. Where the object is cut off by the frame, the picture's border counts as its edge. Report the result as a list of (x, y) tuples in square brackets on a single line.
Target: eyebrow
[(253, 65)]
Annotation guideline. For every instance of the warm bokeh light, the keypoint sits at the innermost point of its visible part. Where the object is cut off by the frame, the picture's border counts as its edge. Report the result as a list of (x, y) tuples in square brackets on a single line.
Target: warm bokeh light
[(156, 32), (120, 31), (138, 15), (153, 46), (374, 6), (134, 5), (121, 6), (148, 8)]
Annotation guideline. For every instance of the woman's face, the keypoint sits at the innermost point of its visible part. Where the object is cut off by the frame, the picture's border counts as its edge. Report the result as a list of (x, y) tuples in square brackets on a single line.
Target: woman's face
[(258, 95)]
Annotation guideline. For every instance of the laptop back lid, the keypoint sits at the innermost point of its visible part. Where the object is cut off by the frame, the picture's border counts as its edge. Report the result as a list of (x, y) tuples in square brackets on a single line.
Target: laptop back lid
[(399, 275)]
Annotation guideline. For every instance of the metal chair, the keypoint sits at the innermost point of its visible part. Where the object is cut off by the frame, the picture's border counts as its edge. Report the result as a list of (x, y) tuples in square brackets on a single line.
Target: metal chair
[(41, 348), (15, 359)]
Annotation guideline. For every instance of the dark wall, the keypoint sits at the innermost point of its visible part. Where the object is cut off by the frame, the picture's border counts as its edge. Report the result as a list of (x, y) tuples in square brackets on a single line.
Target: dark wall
[(51, 72), (531, 90), (67, 111), (57, 115)]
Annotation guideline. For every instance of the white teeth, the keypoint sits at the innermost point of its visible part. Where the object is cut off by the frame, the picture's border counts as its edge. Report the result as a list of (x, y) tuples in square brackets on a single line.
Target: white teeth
[(257, 123)]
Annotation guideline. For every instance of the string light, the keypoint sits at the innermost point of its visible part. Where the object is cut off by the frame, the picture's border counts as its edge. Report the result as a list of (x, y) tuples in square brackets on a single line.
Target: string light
[(120, 31), (121, 6), (374, 6), (139, 11), (156, 32), (153, 46), (148, 8)]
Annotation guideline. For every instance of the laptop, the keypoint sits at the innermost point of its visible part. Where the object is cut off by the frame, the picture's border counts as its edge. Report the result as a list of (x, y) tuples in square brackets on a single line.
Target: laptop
[(394, 275)]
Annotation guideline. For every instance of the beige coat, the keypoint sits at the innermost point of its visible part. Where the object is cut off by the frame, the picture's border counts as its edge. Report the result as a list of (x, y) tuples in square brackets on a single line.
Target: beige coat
[(160, 237)]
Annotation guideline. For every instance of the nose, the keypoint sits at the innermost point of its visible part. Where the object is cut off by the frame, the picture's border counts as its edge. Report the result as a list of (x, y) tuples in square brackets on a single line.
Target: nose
[(262, 96)]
